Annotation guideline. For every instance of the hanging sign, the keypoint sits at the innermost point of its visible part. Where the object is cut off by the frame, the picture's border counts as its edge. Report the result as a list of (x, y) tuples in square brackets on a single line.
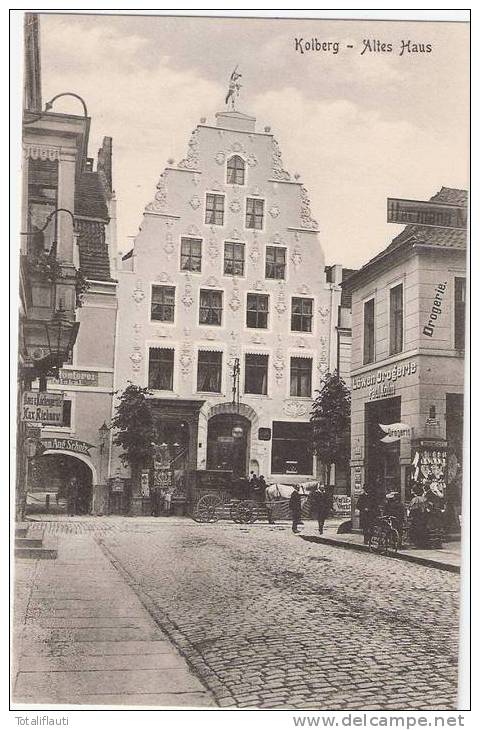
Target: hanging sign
[(145, 483), (395, 431), (426, 213), (41, 407), (77, 377), (65, 444)]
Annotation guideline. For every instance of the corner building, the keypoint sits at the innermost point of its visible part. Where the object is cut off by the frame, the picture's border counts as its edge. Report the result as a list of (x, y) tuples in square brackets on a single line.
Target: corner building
[(226, 273), (408, 358)]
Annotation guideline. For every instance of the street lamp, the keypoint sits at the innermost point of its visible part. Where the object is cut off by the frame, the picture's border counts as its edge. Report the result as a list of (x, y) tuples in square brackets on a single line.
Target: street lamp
[(59, 333), (49, 104)]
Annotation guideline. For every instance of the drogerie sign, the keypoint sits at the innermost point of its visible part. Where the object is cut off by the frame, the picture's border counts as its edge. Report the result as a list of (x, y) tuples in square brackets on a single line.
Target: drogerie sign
[(44, 408)]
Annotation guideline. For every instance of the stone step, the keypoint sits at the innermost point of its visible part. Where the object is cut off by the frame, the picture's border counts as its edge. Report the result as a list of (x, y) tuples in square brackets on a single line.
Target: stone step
[(21, 531), (28, 542), (36, 553)]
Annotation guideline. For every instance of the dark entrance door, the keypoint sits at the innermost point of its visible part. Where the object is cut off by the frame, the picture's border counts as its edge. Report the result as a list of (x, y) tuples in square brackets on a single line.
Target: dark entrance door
[(227, 443), (382, 459), (68, 479)]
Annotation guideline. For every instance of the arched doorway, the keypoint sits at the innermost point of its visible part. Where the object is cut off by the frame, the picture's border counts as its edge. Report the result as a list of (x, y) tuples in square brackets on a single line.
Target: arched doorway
[(228, 443), (66, 478)]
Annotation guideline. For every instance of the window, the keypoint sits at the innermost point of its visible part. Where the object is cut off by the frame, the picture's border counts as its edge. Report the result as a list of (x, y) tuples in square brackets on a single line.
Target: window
[(257, 310), (160, 369), (302, 313), (460, 296), (163, 303), (191, 254), (290, 448), (301, 376), (42, 201), (211, 306), (215, 209), (275, 262), (234, 259), (254, 217), (256, 374), (396, 319), (67, 413), (235, 171), (209, 372), (369, 331)]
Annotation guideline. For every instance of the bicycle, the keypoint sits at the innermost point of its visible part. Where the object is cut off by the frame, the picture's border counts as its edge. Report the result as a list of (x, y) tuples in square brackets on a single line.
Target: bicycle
[(384, 536)]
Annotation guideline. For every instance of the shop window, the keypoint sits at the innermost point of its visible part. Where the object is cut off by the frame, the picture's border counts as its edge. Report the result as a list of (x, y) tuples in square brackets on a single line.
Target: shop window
[(275, 260), (234, 259), (67, 413), (396, 319), (291, 448), (301, 376), (191, 254), (254, 218), (460, 296), (257, 310), (215, 209), (302, 313), (369, 331), (209, 372), (163, 303), (160, 368), (235, 171), (256, 374), (211, 306)]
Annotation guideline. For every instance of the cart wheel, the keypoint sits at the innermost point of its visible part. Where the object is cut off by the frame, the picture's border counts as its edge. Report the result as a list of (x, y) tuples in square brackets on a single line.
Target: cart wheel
[(208, 508), (234, 512), (247, 512)]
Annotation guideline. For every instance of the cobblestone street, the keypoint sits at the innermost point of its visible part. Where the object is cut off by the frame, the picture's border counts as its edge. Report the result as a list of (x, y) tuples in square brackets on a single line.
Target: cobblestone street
[(268, 619)]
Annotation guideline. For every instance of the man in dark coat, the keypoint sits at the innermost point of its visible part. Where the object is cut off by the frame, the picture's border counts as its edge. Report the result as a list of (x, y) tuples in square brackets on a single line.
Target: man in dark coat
[(295, 505), (321, 505), (367, 505)]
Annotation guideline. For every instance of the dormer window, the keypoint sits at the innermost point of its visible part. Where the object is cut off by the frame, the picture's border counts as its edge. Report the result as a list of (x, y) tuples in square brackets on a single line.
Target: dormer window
[(235, 171)]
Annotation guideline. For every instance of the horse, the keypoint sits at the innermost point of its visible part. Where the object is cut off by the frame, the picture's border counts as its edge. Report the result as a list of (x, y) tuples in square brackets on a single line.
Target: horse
[(276, 493)]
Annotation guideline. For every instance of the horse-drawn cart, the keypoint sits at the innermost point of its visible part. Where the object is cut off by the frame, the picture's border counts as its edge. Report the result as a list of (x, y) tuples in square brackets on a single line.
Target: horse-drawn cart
[(217, 495)]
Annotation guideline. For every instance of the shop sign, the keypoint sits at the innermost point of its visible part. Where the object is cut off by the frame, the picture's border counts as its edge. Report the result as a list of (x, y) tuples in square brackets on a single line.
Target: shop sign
[(77, 377), (65, 444), (395, 431), (426, 213), (436, 310), (384, 376), (357, 479), (41, 407), (163, 478), (117, 484), (342, 504), (264, 434), (145, 483)]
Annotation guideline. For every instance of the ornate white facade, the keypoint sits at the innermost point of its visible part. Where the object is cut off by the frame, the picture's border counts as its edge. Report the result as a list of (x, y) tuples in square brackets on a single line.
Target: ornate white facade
[(253, 234)]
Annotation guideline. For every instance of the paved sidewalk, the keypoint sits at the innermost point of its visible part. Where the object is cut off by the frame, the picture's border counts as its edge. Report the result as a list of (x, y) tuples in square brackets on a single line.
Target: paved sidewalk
[(449, 557), (82, 637)]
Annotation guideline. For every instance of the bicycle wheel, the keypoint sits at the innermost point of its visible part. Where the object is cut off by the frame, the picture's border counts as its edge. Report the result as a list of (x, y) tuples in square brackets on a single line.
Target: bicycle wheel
[(393, 540), (378, 542)]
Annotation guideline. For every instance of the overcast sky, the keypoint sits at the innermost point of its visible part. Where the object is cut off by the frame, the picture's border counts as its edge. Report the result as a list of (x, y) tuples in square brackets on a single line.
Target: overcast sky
[(358, 128)]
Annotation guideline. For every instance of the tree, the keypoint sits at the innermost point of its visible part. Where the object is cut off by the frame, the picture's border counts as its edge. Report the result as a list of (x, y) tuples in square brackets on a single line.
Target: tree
[(134, 428), (330, 418)]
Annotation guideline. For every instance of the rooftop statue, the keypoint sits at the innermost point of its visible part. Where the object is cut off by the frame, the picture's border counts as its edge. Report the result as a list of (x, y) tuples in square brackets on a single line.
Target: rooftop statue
[(233, 89)]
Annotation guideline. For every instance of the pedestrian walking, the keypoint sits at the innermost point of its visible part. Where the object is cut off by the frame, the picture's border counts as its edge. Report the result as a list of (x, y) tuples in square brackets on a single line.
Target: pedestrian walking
[(418, 518), (72, 496), (295, 505), (321, 505), (368, 507)]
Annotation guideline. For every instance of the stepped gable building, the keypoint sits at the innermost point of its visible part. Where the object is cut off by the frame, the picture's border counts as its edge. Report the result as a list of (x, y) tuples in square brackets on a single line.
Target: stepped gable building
[(408, 346), (224, 298)]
